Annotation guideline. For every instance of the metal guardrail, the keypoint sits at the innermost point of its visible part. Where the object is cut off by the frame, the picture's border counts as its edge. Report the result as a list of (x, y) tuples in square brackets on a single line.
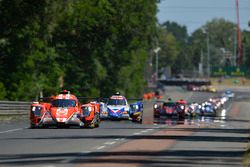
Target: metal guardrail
[(14, 108), (185, 81)]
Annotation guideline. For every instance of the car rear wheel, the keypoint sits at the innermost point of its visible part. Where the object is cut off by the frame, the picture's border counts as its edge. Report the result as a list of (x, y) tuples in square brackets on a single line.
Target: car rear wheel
[(32, 126), (97, 120)]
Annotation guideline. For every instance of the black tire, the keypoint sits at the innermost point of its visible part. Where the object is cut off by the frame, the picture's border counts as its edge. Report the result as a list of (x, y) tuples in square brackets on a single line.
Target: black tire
[(157, 116), (97, 120), (45, 126), (92, 125), (32, 126)]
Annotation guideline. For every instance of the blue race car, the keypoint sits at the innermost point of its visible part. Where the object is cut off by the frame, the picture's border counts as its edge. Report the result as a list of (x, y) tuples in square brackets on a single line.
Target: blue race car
[(228, 93), (136, 111), (208, 109), (118, 107)]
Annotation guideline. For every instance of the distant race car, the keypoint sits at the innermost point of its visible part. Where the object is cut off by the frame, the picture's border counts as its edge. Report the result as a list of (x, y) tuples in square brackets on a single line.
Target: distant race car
[(103, 110), (136, 111), (228, 93), (181, 107), (208, 109), (194, 109), (165, 109), (211, 89), (63, 110), (118, 107)]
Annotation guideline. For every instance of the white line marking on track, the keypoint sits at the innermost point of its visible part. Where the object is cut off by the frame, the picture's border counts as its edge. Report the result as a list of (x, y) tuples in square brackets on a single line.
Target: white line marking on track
[(150, 129), (101, 147), (11, 130), (144, 131), (110, 143), (136, 133), (119, 139)]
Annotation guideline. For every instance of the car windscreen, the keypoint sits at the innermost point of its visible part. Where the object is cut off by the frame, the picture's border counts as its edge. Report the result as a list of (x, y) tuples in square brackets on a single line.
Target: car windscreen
[(63, 103), (169, 104), (116, 102)]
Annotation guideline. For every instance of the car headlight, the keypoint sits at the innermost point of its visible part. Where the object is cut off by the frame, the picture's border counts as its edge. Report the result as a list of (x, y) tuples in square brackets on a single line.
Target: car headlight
[(37, 110), (76, 115), (155, 106)]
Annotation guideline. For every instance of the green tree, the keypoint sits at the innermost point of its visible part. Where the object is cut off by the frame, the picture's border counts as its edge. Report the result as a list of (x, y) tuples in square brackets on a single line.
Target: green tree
[(28, 61), (246, 48), (92, 48), (103, 36), (169, 48), (221, 34), (178, 57)]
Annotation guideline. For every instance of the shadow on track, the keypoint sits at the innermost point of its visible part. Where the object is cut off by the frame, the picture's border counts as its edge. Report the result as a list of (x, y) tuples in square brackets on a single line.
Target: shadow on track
[(180, 157), (151, 137)]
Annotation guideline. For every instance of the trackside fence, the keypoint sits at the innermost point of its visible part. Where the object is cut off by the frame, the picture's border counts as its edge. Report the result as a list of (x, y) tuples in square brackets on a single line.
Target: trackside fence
[(14, 108)]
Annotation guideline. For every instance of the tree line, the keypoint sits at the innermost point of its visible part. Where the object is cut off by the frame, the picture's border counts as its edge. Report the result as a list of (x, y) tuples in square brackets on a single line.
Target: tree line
[(97, 47), (92, 48), (184, 52)]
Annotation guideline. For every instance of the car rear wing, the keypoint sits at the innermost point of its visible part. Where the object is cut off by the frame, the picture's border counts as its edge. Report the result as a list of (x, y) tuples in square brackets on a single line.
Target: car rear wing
[(89, 99)]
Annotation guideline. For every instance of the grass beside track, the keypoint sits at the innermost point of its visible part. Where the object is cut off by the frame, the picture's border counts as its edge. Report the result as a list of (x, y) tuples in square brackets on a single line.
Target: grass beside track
[(12, 117), (230, 81)]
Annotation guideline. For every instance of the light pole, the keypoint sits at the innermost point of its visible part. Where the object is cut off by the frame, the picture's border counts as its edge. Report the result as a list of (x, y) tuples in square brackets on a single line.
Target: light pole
[(208, 51), (156, 51), (235, 47), (208, 55)]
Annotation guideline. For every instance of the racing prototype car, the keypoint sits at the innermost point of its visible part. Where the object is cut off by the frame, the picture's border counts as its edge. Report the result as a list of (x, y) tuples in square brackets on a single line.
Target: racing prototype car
[(181, 107), (63, 110), (194, 109), (118, 107), (208, 109), (136, 111), (165, 109)]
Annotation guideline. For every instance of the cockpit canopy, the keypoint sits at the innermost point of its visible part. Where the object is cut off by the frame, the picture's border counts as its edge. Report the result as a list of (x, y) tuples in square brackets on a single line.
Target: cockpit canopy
[(63, 103), (116, 102)]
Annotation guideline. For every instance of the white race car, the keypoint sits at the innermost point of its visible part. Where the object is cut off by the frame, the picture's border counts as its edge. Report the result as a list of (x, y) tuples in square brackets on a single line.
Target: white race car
[(118, 107)]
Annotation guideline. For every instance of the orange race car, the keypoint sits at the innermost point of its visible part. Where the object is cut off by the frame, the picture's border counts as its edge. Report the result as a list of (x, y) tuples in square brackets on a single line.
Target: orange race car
[(64, 110)]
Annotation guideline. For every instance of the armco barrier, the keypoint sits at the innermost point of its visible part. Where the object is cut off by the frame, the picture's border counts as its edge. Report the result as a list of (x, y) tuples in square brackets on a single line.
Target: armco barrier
[(14, 108), (187, 81)]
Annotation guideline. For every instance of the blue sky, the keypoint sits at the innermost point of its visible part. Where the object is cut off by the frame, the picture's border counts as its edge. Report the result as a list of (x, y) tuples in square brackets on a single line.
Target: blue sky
[(195, 13)]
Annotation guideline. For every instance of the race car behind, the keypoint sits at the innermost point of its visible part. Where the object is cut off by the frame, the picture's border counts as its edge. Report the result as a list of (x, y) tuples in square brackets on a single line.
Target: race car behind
[(118, 107)]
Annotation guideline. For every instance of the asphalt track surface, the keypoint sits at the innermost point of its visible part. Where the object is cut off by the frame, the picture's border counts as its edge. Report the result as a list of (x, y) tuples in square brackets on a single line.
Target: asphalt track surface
[(219, 141)]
